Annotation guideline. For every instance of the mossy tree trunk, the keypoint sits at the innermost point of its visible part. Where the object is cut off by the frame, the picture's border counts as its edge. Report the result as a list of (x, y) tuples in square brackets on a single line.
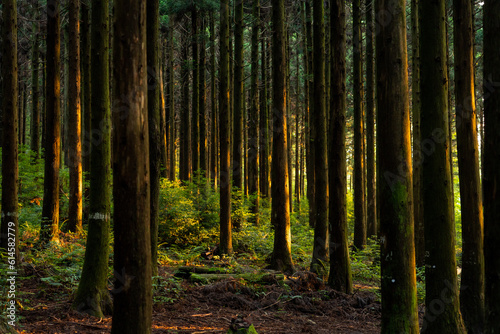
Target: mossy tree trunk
[(49, 228), (442, 303), (472, 282), (132, 310), (92, 296), (359, 154), (281, 258), (253, 119), (491, 163), (397, 252), (320, 246), (9, 240), (74, 121), (226, 244), (153, 66), (340, 277)]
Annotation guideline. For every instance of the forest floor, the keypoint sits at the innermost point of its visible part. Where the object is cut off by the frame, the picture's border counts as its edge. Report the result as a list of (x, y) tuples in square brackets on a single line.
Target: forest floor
[(306, 306)]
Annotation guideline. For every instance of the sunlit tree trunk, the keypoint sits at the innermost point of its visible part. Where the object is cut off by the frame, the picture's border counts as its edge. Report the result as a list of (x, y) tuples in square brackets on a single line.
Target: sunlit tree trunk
[(237, 160), (49, 228), (9, 238), (320, 246), (226, 244), (170, 104), (132, 311), (92, 295), (397, 252), (195, 107), (86, 82), (472, 282), (310, 146), (264, 177), (184, 136), (214, 131), (440, 266), (74, 121), (202, 121), (281, 258), (491, 164)]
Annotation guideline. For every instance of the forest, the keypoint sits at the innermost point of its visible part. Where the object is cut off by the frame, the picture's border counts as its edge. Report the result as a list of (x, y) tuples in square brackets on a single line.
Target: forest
[(250, 166)]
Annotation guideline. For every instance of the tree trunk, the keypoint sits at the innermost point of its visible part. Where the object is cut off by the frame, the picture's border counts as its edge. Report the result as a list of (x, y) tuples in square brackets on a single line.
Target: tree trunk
[(281, 258), (491, 164), (203, 102), (195, 126), (238, 97), (35, 89), (214, 131), (92, 296), (132, 310), (310, 147), (440, 270), (371, 205), (171, 100), (340, 266), (86, 88), (320, 247), (184, 155), (359, 154), (253, 119), (74, 121), (397, 252), (472, 292), (9, 239), (153, 63), (49, 228), (226, 244), (264, 177), (418, 218)]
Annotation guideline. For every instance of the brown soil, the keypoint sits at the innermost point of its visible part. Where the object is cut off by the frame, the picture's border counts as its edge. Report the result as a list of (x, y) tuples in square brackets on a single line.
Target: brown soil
[(271, 309)]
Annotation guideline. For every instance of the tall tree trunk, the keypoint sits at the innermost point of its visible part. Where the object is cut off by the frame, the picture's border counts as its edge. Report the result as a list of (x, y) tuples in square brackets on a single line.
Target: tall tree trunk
[(397, 252), (203, 102), (184, 136), (92, 295), (281, 258), (418, 214), (9, 238), (371, 205), (171, 100), (440, 269), (238, 97), (320, 247), (359, 154), (298, 133), (214, 131), (253, 119), (491, 164), (340, 277), (153, 66), (472, 292), (310, 146), (132, 310), (264, 177), (86, 87), (35, 89), (49, 228), (195, 126), (226, 244), (164, 117), (74, 121)]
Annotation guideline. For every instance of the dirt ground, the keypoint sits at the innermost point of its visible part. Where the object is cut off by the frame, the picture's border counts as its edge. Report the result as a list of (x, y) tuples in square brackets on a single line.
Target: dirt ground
[(305, 307)]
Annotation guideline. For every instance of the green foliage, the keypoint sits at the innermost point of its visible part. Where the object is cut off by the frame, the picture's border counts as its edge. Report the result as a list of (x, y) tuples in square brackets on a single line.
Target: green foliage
[(166, 290)]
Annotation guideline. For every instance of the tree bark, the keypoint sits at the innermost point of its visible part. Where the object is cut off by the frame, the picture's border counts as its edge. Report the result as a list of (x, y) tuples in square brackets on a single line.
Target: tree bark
[(184, 137), (491, 163), (320, 246), (9, 238), (132, 310), (472, 282), (195, 126), (86, 85), (202, 121), (171, 100), (226, 244), (35, 89), (74, 121), (49, 228), (237, 162), (264, 177), (397, 252), (310, 146), (214, 131), (440, 270), (92, 296), (281, 258), (340, 277)]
